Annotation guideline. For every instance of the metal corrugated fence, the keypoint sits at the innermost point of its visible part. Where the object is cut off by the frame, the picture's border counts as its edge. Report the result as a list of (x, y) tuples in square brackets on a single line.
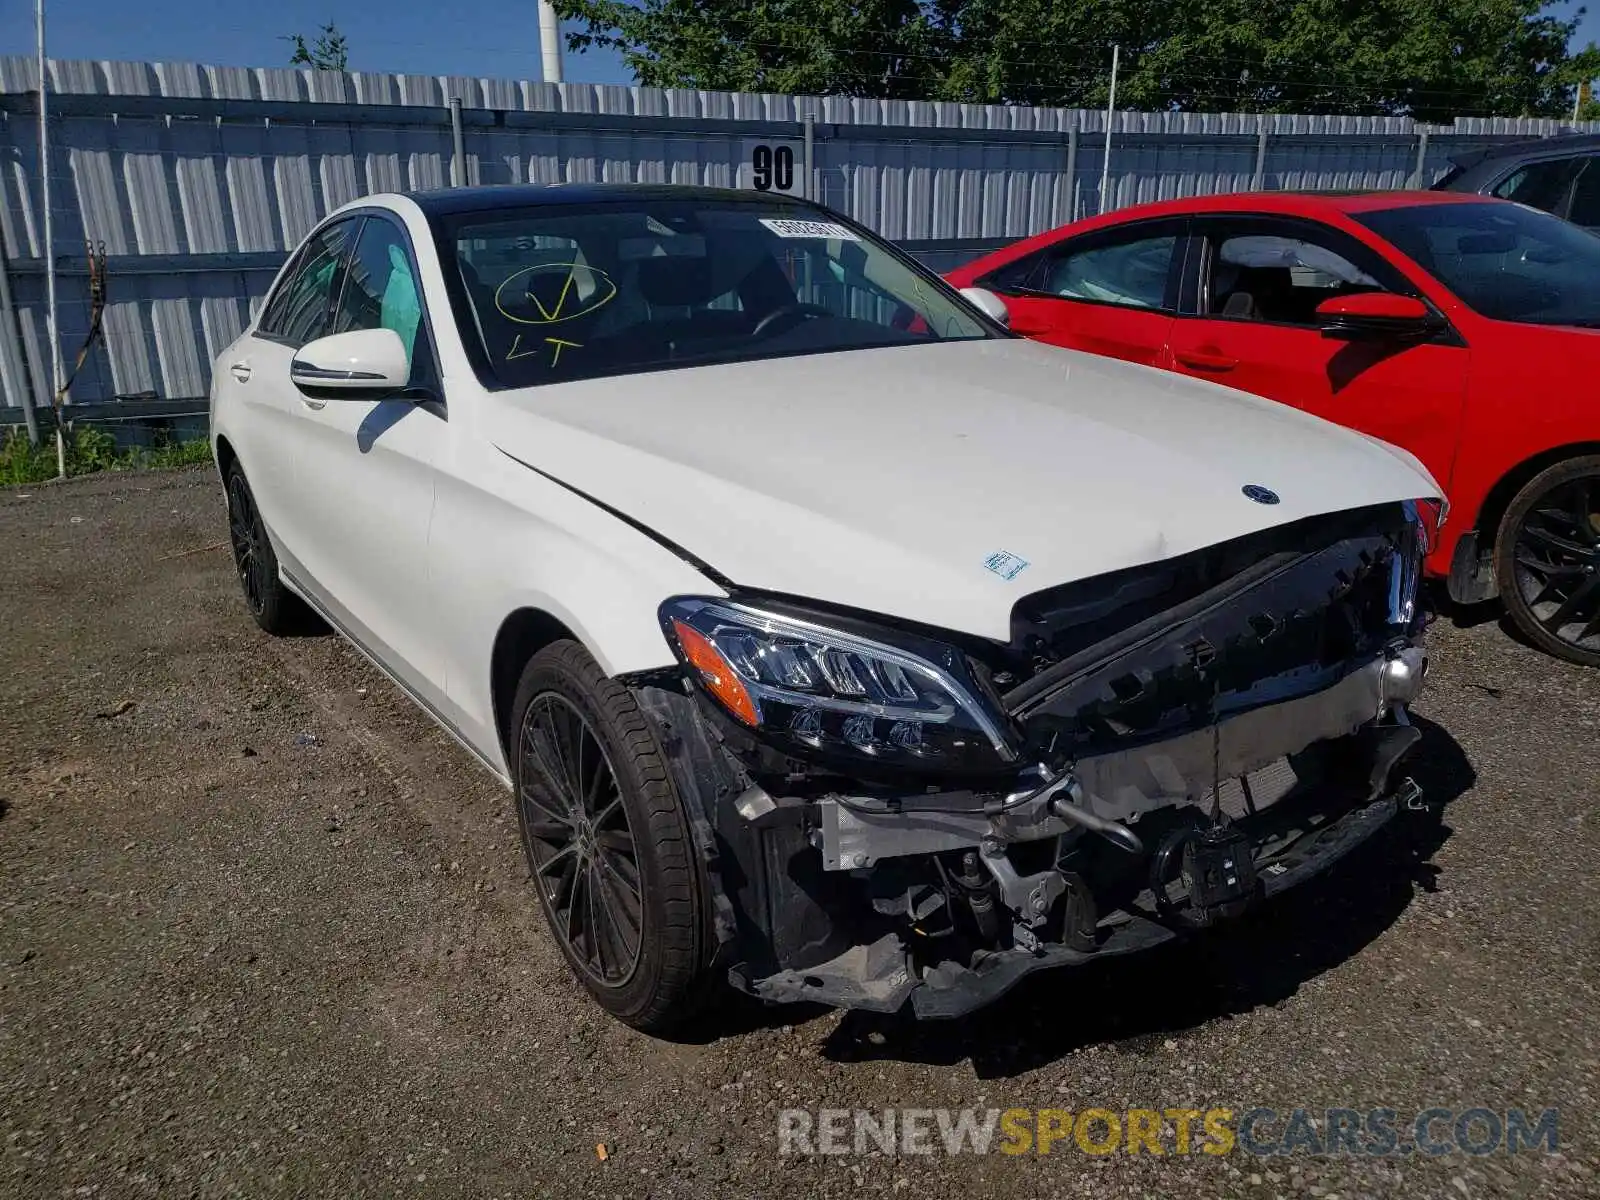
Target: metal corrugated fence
[(199, 179)]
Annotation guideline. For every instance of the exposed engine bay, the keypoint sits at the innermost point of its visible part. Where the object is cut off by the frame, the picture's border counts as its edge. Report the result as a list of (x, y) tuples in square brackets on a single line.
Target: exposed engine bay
[(1188, 738)]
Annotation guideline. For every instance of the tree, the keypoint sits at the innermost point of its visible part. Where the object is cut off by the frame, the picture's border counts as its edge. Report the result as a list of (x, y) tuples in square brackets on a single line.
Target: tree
[(1430, 59), (328, 53)]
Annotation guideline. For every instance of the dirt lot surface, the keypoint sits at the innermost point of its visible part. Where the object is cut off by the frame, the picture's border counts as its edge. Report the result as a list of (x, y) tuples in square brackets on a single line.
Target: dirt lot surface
[(264, 931)]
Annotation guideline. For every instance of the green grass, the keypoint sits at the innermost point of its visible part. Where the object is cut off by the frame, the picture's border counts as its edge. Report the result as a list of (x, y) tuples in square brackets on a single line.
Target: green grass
[(89, 450)]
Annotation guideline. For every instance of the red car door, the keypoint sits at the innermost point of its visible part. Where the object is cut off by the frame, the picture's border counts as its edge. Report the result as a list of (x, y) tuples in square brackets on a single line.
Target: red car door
[(1110, 292), (1260, 281)]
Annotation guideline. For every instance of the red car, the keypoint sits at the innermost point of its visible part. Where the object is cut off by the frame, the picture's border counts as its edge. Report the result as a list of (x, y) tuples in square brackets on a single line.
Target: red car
[(1461, 328)]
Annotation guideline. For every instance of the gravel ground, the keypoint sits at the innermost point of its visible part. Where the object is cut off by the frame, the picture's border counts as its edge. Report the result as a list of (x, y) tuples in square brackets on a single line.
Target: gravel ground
[(265, 931)]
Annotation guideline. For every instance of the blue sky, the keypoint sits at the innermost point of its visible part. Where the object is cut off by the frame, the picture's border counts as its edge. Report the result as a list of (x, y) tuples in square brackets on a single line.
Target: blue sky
[(462, 37)]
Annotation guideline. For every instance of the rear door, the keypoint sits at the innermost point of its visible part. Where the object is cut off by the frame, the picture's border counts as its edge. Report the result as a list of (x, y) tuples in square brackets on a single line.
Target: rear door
[(1259, 280), (1111, 291), (257, 371), (364, 472)]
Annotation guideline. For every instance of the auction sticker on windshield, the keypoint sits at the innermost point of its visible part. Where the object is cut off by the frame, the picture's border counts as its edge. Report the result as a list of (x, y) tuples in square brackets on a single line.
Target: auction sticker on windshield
[(808, 229)]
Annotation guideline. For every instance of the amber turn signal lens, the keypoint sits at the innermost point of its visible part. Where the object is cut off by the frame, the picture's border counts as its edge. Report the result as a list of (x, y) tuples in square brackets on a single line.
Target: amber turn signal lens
[(716, 673)]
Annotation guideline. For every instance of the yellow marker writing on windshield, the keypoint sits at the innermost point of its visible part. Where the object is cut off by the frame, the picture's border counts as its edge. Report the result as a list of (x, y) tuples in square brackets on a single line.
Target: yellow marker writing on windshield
[(570, 303)]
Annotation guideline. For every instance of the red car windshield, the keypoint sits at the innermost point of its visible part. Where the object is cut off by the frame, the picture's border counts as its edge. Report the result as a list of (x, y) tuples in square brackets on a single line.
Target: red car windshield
[(1504, 261)]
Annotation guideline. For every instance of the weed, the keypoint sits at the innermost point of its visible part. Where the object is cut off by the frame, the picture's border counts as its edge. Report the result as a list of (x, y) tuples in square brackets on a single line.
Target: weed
[(89, 450)]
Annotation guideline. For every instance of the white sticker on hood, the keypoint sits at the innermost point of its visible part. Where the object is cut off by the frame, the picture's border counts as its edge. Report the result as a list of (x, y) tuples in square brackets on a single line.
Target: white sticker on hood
[(786, 228), (1006, 564)]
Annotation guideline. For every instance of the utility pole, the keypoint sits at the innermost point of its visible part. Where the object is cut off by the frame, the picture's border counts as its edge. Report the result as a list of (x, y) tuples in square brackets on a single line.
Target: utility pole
[(56, 370), (1111, 111), (550, 41)]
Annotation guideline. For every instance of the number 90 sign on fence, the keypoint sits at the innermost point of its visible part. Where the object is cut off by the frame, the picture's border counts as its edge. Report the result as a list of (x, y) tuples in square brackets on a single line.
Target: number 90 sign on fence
[(773, 166)]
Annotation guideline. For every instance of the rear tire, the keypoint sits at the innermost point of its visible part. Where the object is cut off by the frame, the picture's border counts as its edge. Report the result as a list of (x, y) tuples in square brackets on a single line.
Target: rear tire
[(275, 608), (1547, 560), (608, 843)]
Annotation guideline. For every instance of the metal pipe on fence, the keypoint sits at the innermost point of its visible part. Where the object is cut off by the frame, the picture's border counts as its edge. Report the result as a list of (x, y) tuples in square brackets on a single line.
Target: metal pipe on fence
[(458, 165), (1111, 112), (1260, 175)]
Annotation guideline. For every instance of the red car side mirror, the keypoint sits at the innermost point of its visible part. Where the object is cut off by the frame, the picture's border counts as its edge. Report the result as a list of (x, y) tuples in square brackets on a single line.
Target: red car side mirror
[(1375, 314)]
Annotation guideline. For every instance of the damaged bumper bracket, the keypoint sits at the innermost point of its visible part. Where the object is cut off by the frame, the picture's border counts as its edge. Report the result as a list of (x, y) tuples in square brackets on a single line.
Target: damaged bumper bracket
[(1122, 786)]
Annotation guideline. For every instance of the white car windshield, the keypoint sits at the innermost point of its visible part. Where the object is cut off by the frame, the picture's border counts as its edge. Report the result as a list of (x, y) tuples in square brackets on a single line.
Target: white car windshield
[(564, 292)]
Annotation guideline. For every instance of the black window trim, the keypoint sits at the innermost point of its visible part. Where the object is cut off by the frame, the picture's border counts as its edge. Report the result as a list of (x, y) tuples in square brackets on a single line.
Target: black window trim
[(1094, 239), (1361, 256)]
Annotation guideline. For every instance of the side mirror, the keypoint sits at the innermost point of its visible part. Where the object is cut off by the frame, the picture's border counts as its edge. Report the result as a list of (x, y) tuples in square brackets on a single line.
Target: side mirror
[(1375, 315), (358, 365), (988, 303)]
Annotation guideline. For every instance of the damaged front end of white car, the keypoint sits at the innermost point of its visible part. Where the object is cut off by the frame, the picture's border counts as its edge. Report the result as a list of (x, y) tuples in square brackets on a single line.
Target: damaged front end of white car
[(894, 815)]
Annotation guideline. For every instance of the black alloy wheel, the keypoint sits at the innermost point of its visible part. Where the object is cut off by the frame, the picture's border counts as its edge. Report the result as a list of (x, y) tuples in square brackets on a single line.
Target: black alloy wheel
[(1548, 560), (609, 844), (584, 858), (247, 536), (275, 608)]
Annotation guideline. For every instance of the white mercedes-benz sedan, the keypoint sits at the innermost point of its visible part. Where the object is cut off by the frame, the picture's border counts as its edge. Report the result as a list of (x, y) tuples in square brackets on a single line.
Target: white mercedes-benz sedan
[(837, 645)]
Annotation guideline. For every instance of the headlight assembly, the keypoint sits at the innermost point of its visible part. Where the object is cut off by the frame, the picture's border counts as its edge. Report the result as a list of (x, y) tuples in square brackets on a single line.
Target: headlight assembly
[(810, 689)]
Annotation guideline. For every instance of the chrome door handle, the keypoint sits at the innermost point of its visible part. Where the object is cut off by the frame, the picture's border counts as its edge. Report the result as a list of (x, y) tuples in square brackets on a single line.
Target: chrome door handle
[(241, 371)]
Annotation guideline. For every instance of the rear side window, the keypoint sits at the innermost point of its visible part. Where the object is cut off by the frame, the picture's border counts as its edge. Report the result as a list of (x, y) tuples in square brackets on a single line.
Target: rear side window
[(1132, 270), (1132, 273), (300, 310)]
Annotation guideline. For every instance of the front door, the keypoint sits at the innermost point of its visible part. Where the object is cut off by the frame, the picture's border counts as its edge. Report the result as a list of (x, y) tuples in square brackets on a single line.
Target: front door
[(1261, 279)]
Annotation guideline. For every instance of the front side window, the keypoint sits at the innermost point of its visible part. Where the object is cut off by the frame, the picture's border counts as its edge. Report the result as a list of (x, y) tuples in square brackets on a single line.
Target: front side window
[(1541, 184), (380, 288), (1504, 261), (554, 294), (1585, 209), (1276, 279), (300, 310)]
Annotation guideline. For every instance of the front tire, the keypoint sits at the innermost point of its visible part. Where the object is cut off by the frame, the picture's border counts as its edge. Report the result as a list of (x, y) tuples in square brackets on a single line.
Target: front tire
[(608, 843), (1547, 560)]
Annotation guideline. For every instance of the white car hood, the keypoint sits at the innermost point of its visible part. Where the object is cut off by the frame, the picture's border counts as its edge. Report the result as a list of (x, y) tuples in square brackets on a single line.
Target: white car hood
[(913, 480)]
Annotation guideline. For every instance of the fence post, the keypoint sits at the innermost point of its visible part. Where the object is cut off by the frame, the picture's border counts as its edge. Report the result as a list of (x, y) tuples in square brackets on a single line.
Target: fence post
[(809, 155), (1261, 154), (1422, 153), (458, 168), (16, 365), (1072, 169)]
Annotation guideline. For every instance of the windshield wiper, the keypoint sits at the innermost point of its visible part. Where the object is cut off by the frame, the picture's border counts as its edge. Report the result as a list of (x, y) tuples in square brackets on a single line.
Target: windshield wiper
[(1034, 293)]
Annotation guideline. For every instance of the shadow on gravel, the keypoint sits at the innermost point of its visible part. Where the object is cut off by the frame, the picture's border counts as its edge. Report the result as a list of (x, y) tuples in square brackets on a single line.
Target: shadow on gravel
[(1470, 616), (1138, 1002)]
